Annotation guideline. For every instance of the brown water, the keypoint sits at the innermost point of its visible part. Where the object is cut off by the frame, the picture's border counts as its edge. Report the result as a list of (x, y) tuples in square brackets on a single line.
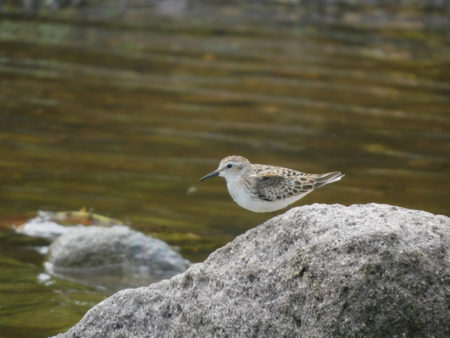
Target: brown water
[(122, 109)]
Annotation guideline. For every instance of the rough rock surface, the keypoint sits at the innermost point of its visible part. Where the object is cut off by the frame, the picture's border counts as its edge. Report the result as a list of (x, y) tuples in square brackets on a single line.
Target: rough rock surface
[(315, 271), (91, 250)]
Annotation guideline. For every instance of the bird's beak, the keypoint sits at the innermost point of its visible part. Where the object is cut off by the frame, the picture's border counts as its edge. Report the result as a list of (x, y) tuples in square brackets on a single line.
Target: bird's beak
[(211, 174)]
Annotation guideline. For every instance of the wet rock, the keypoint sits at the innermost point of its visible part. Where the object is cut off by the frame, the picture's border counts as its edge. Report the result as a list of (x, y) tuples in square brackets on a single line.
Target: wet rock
[(50, 225), (43, 227), (315, 271), (116, 255)]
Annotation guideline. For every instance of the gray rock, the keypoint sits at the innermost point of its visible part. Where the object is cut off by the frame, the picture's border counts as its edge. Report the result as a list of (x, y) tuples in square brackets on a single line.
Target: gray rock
[(115, 255), (315, 271)]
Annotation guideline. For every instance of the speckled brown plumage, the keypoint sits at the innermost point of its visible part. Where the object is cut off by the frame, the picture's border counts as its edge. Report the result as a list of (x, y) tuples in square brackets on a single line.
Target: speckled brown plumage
[(275, 183)]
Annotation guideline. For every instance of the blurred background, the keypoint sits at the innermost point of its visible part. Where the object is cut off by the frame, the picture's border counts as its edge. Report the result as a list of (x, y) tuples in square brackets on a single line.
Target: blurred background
[(121, 106)]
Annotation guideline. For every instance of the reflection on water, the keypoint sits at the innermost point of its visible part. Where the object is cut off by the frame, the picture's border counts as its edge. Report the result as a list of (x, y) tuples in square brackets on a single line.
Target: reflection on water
[(121, 107)]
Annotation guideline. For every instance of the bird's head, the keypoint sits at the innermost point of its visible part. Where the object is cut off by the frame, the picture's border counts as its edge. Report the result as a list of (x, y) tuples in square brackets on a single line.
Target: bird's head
[(231, 168)]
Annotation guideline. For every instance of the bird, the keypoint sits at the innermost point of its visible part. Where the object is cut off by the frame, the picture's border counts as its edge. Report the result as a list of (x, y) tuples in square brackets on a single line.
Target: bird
[(266, 188)]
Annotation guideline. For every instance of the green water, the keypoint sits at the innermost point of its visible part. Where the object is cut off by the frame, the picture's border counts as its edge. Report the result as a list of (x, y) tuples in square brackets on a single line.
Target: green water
[(123, 109)]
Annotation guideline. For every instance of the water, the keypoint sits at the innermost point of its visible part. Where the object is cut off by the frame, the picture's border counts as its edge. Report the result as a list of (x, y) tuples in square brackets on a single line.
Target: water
[(121, 108)]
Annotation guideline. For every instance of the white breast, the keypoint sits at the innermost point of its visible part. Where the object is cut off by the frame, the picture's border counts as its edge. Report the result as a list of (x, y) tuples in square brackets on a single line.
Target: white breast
[(245, 199)]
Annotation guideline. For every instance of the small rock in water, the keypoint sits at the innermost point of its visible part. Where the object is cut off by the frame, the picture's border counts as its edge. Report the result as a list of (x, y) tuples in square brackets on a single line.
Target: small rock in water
[(50, 224), (106, 255), (115, 255)]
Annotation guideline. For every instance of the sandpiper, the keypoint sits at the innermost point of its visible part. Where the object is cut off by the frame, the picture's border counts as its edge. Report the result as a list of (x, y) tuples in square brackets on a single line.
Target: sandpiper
[(265, 188)]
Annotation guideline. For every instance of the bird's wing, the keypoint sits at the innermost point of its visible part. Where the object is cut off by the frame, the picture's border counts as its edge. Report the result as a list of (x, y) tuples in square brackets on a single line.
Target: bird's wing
[(274, 183)]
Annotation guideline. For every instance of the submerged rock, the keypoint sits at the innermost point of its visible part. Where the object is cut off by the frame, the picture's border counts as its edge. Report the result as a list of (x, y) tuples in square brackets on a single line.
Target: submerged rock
[(116, 255), (50, 225), (315, 271)]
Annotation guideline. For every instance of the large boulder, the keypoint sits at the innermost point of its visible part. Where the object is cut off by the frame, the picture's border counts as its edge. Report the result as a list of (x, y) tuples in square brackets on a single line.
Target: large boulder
[(315, 271), (115, 256)]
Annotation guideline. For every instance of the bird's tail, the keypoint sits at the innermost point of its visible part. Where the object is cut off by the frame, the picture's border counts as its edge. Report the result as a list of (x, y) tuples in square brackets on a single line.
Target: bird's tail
[(328, 178)]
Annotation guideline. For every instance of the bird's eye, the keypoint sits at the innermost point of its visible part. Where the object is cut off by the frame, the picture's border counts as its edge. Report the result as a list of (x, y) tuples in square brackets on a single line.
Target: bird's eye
[(229, 165)]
